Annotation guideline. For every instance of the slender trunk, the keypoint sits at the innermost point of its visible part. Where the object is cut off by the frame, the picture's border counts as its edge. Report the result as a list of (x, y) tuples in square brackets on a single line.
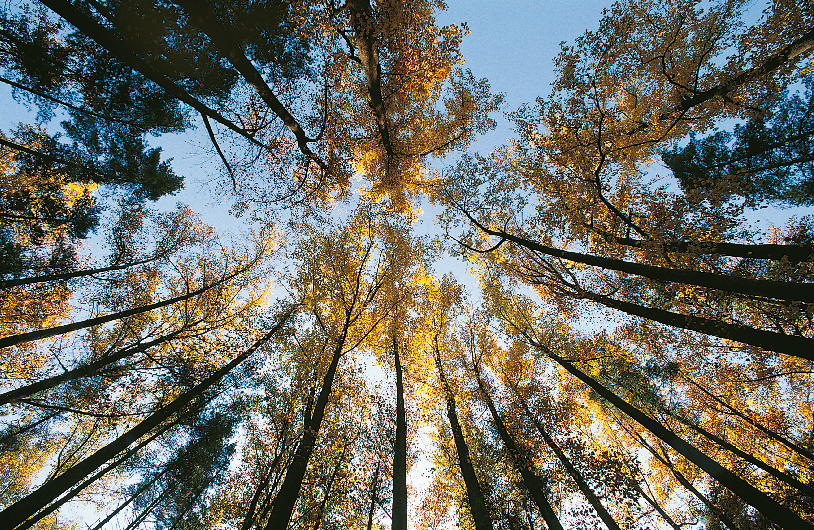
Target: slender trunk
[(796, 48), (18, 512), (130, 499), (652, 502), (528, 471), (124, 53), (84, 370), (374, 493), (5, 284), (399, 516), (283, 508), (776, 473), (582, 484), (329, 486), (99, 474), (794, 345), (685, 482), (249, 519), (146, 511), (205, 17), (769, 507), (13, 340), (791, 291), (793, 253), (69, 105), (474, 494), (771, 434)]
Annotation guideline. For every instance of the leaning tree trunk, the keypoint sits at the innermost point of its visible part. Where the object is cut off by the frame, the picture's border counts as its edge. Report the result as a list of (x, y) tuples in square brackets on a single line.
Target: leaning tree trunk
[(13, 340), (21, 510), (791, 291), (525, 465), (280, 515), (582, 484), (474, 493), (770, 508)]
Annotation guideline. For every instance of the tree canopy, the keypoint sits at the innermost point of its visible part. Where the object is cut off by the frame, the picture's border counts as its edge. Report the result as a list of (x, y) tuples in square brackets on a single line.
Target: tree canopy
[(638, 353)]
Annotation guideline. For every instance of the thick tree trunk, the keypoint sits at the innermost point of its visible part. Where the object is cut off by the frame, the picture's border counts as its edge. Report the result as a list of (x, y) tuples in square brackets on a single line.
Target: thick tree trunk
[(361, 16), (280, 516), (474, 493), (789, 344), (13, 340), (770, 508), (803, 292), (583, 486), (399, 515), (21, 510), (525, 465)]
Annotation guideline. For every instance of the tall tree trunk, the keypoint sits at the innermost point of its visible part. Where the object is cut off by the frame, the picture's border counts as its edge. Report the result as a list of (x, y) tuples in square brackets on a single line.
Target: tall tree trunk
[(770, 508), (374, 493), (768, 432), (6, 284), (791, 291), (83, 370), (399, 516), (794, 345), (793, 253), (18, 512), (280, 516), (582, 484), (130, 499), (474, 493), (521, 461), (361, 16), (13, 340)]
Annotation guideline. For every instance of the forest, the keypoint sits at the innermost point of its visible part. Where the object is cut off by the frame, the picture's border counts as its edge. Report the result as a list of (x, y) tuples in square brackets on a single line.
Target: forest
[(636, 352)]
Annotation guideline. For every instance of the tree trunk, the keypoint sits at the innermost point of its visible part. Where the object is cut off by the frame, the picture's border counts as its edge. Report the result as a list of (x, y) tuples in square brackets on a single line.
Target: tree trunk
[(399, 516), (794, 345), (374, 491), (523, 464), (18, 512), (474, 494), (793, 253), (130, 499), (205, 17), (770, 508), (13, 340), (791, 291), (361, 16), (574, 472), (283, 508), (82, 371), (5, 284)]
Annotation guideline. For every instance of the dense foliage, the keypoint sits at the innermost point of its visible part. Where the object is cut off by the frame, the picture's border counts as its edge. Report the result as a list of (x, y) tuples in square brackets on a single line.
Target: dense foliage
[(637, 356)]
